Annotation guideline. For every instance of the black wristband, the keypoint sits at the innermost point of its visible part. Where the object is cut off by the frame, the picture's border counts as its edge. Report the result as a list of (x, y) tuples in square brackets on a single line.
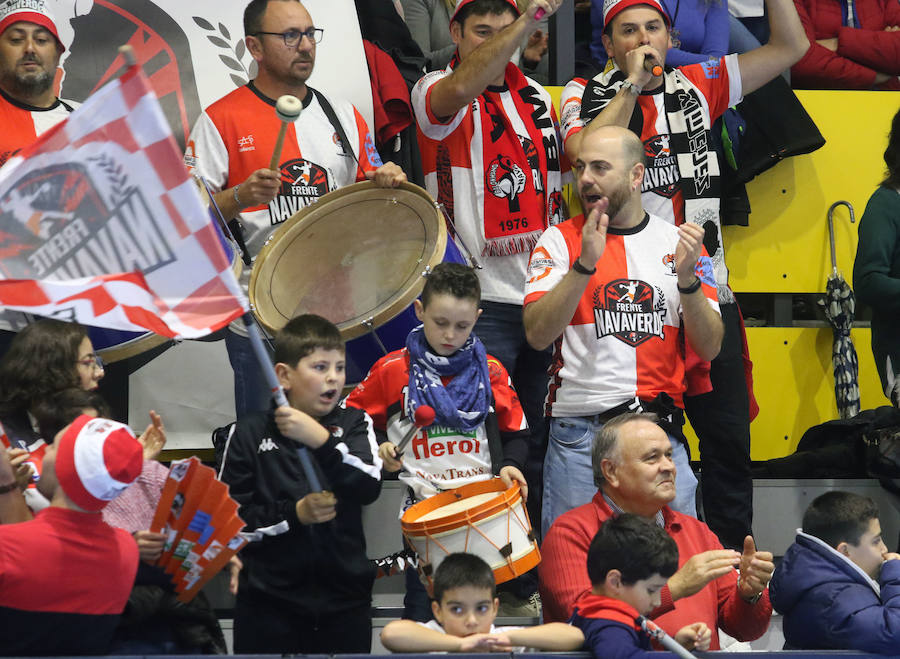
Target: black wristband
[(8, 488), (693, 288), (580, 269)]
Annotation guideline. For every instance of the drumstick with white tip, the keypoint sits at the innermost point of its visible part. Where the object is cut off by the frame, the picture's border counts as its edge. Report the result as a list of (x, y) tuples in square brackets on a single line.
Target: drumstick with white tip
[(423, 417), (287, 109)]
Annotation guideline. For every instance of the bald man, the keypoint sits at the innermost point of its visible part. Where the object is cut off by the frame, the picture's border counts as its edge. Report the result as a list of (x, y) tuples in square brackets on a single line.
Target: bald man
[(616, 291)]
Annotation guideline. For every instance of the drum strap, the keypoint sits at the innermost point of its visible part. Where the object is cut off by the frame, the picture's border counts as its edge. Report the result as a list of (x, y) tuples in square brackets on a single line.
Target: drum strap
[(338, 128)]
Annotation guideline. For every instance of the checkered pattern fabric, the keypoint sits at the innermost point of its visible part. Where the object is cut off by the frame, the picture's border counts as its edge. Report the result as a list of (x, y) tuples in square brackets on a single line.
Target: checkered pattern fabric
[(100, 223)]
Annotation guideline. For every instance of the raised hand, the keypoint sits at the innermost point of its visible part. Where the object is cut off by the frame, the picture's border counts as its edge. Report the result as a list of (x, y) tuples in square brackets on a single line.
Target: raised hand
[(756, 570)]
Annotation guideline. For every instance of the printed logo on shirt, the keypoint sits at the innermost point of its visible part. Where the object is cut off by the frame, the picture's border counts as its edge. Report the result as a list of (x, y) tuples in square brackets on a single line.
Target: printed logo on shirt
[(245, 143), (435, 443), (540, 265), (669, 261), (631, 310), (661, 175), (710, 68), (302, 183), (335, 431), (505, 179), (267, 445)]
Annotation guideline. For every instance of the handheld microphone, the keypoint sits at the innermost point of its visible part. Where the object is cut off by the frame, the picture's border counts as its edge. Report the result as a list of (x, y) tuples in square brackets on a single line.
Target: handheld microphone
[(651, 66), (423, 417)]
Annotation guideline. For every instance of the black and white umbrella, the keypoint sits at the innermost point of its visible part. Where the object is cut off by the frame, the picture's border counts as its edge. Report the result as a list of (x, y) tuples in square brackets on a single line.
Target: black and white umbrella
[(840, 307)]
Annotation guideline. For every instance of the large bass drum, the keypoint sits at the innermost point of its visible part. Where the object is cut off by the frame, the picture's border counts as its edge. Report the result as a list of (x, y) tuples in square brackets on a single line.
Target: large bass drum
[(358, 258)]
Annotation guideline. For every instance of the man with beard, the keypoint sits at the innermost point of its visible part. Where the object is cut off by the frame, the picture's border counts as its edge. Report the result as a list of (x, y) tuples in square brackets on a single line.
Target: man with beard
[(232, 141), (29, 54), (616, 291), (67, 601)]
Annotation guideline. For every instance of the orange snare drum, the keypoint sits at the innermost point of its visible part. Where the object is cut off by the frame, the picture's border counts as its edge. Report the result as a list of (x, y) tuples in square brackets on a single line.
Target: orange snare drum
[(484, 518)]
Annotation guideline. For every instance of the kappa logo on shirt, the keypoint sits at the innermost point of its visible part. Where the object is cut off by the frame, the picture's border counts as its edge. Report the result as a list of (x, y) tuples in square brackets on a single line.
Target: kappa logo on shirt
[(267, 445), (631, 310)]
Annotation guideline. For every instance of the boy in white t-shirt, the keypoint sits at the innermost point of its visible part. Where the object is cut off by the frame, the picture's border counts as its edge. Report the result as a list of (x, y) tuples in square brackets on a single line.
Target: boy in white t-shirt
[(465, 605), (479, 429)]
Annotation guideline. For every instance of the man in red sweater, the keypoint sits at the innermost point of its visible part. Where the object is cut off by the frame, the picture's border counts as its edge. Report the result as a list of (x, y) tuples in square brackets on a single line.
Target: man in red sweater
[(633, 468)]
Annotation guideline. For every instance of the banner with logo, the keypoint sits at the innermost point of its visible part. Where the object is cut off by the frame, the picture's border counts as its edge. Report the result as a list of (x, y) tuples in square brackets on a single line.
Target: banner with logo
[(194, 52), (100, 223)]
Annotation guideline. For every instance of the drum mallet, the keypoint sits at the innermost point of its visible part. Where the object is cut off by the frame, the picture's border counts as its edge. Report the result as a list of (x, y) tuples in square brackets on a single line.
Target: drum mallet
[(655, 632), (423, 417), (287, 109)]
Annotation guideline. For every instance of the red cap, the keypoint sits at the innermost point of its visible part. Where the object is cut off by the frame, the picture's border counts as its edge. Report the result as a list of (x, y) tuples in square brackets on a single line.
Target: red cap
[(30, 11), (612, 8), (96, 459), (463, 3)]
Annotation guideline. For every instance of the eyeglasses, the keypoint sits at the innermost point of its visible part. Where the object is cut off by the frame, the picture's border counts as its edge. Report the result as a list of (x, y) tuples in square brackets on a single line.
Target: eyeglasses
[(91, 361), (292, 38)]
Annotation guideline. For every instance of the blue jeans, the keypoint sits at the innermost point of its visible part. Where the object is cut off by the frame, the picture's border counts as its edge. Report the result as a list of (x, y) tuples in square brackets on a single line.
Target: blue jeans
[(569, 475), (501, 330), (251, 393)]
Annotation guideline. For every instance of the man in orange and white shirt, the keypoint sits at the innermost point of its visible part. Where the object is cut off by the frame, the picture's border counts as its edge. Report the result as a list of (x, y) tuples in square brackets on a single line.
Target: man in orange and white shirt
[(30, 49), (617, 291), (672, 110), (233, 140)]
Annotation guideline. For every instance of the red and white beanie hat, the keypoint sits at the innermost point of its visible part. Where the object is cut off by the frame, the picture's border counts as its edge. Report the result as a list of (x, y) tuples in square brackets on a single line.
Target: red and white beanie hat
[(95, 460), (32, 11), (463, 3), (612, 8)]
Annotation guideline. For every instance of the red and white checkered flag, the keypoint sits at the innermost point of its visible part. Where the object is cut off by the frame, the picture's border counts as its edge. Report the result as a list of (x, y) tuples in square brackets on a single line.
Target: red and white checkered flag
[(100, 223)]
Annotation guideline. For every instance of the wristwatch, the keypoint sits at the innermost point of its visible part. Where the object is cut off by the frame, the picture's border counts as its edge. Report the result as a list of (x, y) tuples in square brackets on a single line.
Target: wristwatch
[(631, 88), (234, 191)]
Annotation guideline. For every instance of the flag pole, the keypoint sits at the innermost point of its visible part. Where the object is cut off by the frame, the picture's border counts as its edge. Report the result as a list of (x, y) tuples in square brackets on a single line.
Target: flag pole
[(277, 392), (259, 349)]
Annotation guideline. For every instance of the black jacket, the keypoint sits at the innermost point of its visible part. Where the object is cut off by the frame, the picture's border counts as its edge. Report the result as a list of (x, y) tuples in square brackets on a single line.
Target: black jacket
[(321, 568)]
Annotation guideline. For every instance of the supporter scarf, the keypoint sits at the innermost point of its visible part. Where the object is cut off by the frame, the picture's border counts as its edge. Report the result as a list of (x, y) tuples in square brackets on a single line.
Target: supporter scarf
[(689, 135), (517, 170), (464, 402)]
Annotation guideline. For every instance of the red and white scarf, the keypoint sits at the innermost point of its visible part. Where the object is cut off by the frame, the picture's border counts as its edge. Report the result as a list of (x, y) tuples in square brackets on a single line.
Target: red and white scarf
[(519, 172)]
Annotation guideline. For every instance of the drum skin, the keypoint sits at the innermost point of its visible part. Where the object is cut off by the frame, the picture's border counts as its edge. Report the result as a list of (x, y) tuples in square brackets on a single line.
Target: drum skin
[(358, 258)]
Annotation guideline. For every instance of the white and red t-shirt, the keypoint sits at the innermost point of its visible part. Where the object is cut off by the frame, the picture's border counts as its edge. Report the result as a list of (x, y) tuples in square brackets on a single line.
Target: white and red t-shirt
[(447, 148), (718, 83), (624, 340), (23, 123), (437, 458), (236, 135)]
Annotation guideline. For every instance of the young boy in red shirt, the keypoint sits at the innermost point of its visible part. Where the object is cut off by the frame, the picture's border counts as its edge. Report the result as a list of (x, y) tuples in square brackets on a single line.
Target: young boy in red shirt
[(479, 430)]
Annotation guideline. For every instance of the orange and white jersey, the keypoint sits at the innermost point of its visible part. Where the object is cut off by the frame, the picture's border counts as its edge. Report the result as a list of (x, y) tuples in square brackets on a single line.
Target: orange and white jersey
[(236, 135), (22, 123), (437, 458), (718, 83), (624, 340)]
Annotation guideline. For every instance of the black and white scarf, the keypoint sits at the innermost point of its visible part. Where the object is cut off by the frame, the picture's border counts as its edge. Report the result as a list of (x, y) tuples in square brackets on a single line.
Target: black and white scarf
[(689, 135)]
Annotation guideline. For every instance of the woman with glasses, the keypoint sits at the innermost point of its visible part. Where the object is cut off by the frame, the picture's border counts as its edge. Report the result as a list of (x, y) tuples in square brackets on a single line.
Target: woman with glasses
[(44, 358)]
